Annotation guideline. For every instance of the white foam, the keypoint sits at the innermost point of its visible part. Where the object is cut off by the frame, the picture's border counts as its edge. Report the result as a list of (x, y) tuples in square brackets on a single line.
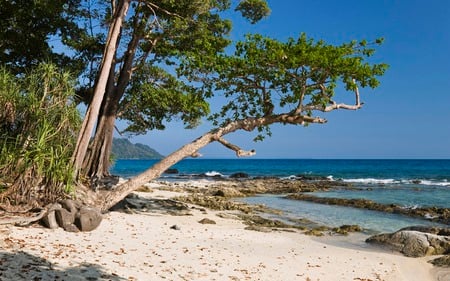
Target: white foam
[(213, 174), (438, 183), (371, 181)]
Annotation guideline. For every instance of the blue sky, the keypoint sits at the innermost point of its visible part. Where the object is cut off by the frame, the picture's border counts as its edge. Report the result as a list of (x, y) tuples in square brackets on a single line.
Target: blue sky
[(408, 116)]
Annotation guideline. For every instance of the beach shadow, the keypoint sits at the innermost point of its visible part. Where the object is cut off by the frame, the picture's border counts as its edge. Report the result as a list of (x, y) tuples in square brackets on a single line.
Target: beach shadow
[(24, 266), (138, 204)]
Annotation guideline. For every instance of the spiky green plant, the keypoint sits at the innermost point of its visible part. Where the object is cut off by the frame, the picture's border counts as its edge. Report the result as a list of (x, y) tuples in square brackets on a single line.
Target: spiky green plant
[(38, 127)]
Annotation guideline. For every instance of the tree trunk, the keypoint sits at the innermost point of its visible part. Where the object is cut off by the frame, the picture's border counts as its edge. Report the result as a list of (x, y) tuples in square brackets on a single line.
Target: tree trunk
[(97, 160), (99, 92)]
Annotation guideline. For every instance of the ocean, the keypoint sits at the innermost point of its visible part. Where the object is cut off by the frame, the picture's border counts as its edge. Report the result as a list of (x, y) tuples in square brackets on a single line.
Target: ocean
[(408, 183)]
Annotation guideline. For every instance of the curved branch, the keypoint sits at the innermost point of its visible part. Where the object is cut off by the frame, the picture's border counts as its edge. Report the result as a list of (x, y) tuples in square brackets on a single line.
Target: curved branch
[(237, 149), (358, 104), (191, 149)]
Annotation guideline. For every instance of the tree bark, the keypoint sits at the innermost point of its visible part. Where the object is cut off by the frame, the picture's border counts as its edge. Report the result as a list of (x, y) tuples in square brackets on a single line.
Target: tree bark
[(121, 191), (97, 161), (99, 92)]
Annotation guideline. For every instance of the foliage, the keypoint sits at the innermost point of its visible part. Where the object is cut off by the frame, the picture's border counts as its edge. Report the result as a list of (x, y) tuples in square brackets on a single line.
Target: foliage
[(38, 126), (254, 10), (29, 29), (154, 38), (265, 77)]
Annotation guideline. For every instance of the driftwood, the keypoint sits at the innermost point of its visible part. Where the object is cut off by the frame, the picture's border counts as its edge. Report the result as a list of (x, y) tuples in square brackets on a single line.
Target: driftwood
[(22, 220)]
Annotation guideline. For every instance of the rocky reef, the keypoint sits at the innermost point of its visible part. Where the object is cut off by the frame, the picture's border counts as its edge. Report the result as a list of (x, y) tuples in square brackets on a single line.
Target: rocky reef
[(441, 215)]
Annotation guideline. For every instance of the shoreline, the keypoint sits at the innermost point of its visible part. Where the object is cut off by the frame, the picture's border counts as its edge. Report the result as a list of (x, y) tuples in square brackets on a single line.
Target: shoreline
[(155, 245)]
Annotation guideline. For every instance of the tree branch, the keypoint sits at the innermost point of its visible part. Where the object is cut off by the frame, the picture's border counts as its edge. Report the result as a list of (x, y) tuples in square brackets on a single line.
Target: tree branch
[(239, 151)]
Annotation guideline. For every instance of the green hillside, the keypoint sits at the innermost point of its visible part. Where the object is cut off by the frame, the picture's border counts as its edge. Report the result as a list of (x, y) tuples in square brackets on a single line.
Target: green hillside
[(124, 149)]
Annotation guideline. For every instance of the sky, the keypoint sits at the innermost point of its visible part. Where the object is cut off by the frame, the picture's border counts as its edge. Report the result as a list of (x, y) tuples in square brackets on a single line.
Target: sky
[(407, 116)]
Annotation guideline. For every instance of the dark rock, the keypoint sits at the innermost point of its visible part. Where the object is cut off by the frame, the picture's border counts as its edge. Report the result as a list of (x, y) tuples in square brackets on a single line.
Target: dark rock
[(70, 205), (88, 218), (207, 221), (429, 229), (171, 171), (49, 220), (239, 175), (71, 228), (175, 227), (64, 217), (443, 261), (416, 181), (345, 229), (311, 178), (220, 193), (413, 243)]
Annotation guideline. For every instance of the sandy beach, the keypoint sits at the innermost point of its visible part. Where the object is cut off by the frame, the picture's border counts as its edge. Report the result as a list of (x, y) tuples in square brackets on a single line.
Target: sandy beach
[(159, 246)]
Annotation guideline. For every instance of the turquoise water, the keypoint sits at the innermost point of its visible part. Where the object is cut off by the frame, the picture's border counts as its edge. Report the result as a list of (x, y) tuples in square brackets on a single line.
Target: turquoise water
[(409, 183)]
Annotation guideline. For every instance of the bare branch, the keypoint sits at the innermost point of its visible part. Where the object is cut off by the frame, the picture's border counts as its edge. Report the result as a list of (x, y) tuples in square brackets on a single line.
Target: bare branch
[(239, 151), (357, 105), (335, 105), (152, 5)]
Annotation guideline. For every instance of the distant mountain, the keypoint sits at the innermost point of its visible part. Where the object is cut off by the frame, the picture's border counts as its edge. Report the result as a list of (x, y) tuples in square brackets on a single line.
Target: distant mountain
[(124, 149)]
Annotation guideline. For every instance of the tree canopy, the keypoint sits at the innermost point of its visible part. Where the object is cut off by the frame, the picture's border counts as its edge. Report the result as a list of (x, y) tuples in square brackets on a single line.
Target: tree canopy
[(29, 32), (150, 62)]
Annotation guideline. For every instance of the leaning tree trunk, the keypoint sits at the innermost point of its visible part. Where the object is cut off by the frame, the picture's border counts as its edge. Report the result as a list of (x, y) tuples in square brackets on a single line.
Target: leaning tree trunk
[(121, 191), (191, 149)]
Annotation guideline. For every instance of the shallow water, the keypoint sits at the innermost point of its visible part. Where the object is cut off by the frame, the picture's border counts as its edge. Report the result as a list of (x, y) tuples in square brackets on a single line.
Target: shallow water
[(334, 216), (409, 183)]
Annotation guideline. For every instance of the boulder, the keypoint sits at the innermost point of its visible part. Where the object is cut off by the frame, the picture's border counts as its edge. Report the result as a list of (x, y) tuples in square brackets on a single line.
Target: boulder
[(413, 243), (88, 218), (171, 171), (49, 220), (64, 217), (443, 261), (239, 175)]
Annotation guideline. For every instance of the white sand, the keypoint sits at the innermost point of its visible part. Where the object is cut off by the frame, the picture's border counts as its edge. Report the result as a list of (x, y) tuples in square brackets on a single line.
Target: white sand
[(144, 247)]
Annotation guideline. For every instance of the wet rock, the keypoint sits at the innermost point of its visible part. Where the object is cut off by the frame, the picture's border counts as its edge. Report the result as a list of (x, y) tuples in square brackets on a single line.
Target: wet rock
[(258, 228), (88, 218), (171, 171), (239, 175), (443, 261), (346, 229), (228, 192), (207, 221), (318, 231), (311, 178), (441, 215), (413, 243)]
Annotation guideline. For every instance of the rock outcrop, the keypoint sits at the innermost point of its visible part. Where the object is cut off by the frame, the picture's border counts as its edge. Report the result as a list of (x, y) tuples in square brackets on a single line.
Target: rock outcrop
[(72, 216), (415, 241)]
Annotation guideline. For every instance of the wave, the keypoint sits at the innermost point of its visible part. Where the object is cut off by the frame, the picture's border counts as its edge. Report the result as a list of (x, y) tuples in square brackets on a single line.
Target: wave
[(213, 174), (443, 183), (371, 181)]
